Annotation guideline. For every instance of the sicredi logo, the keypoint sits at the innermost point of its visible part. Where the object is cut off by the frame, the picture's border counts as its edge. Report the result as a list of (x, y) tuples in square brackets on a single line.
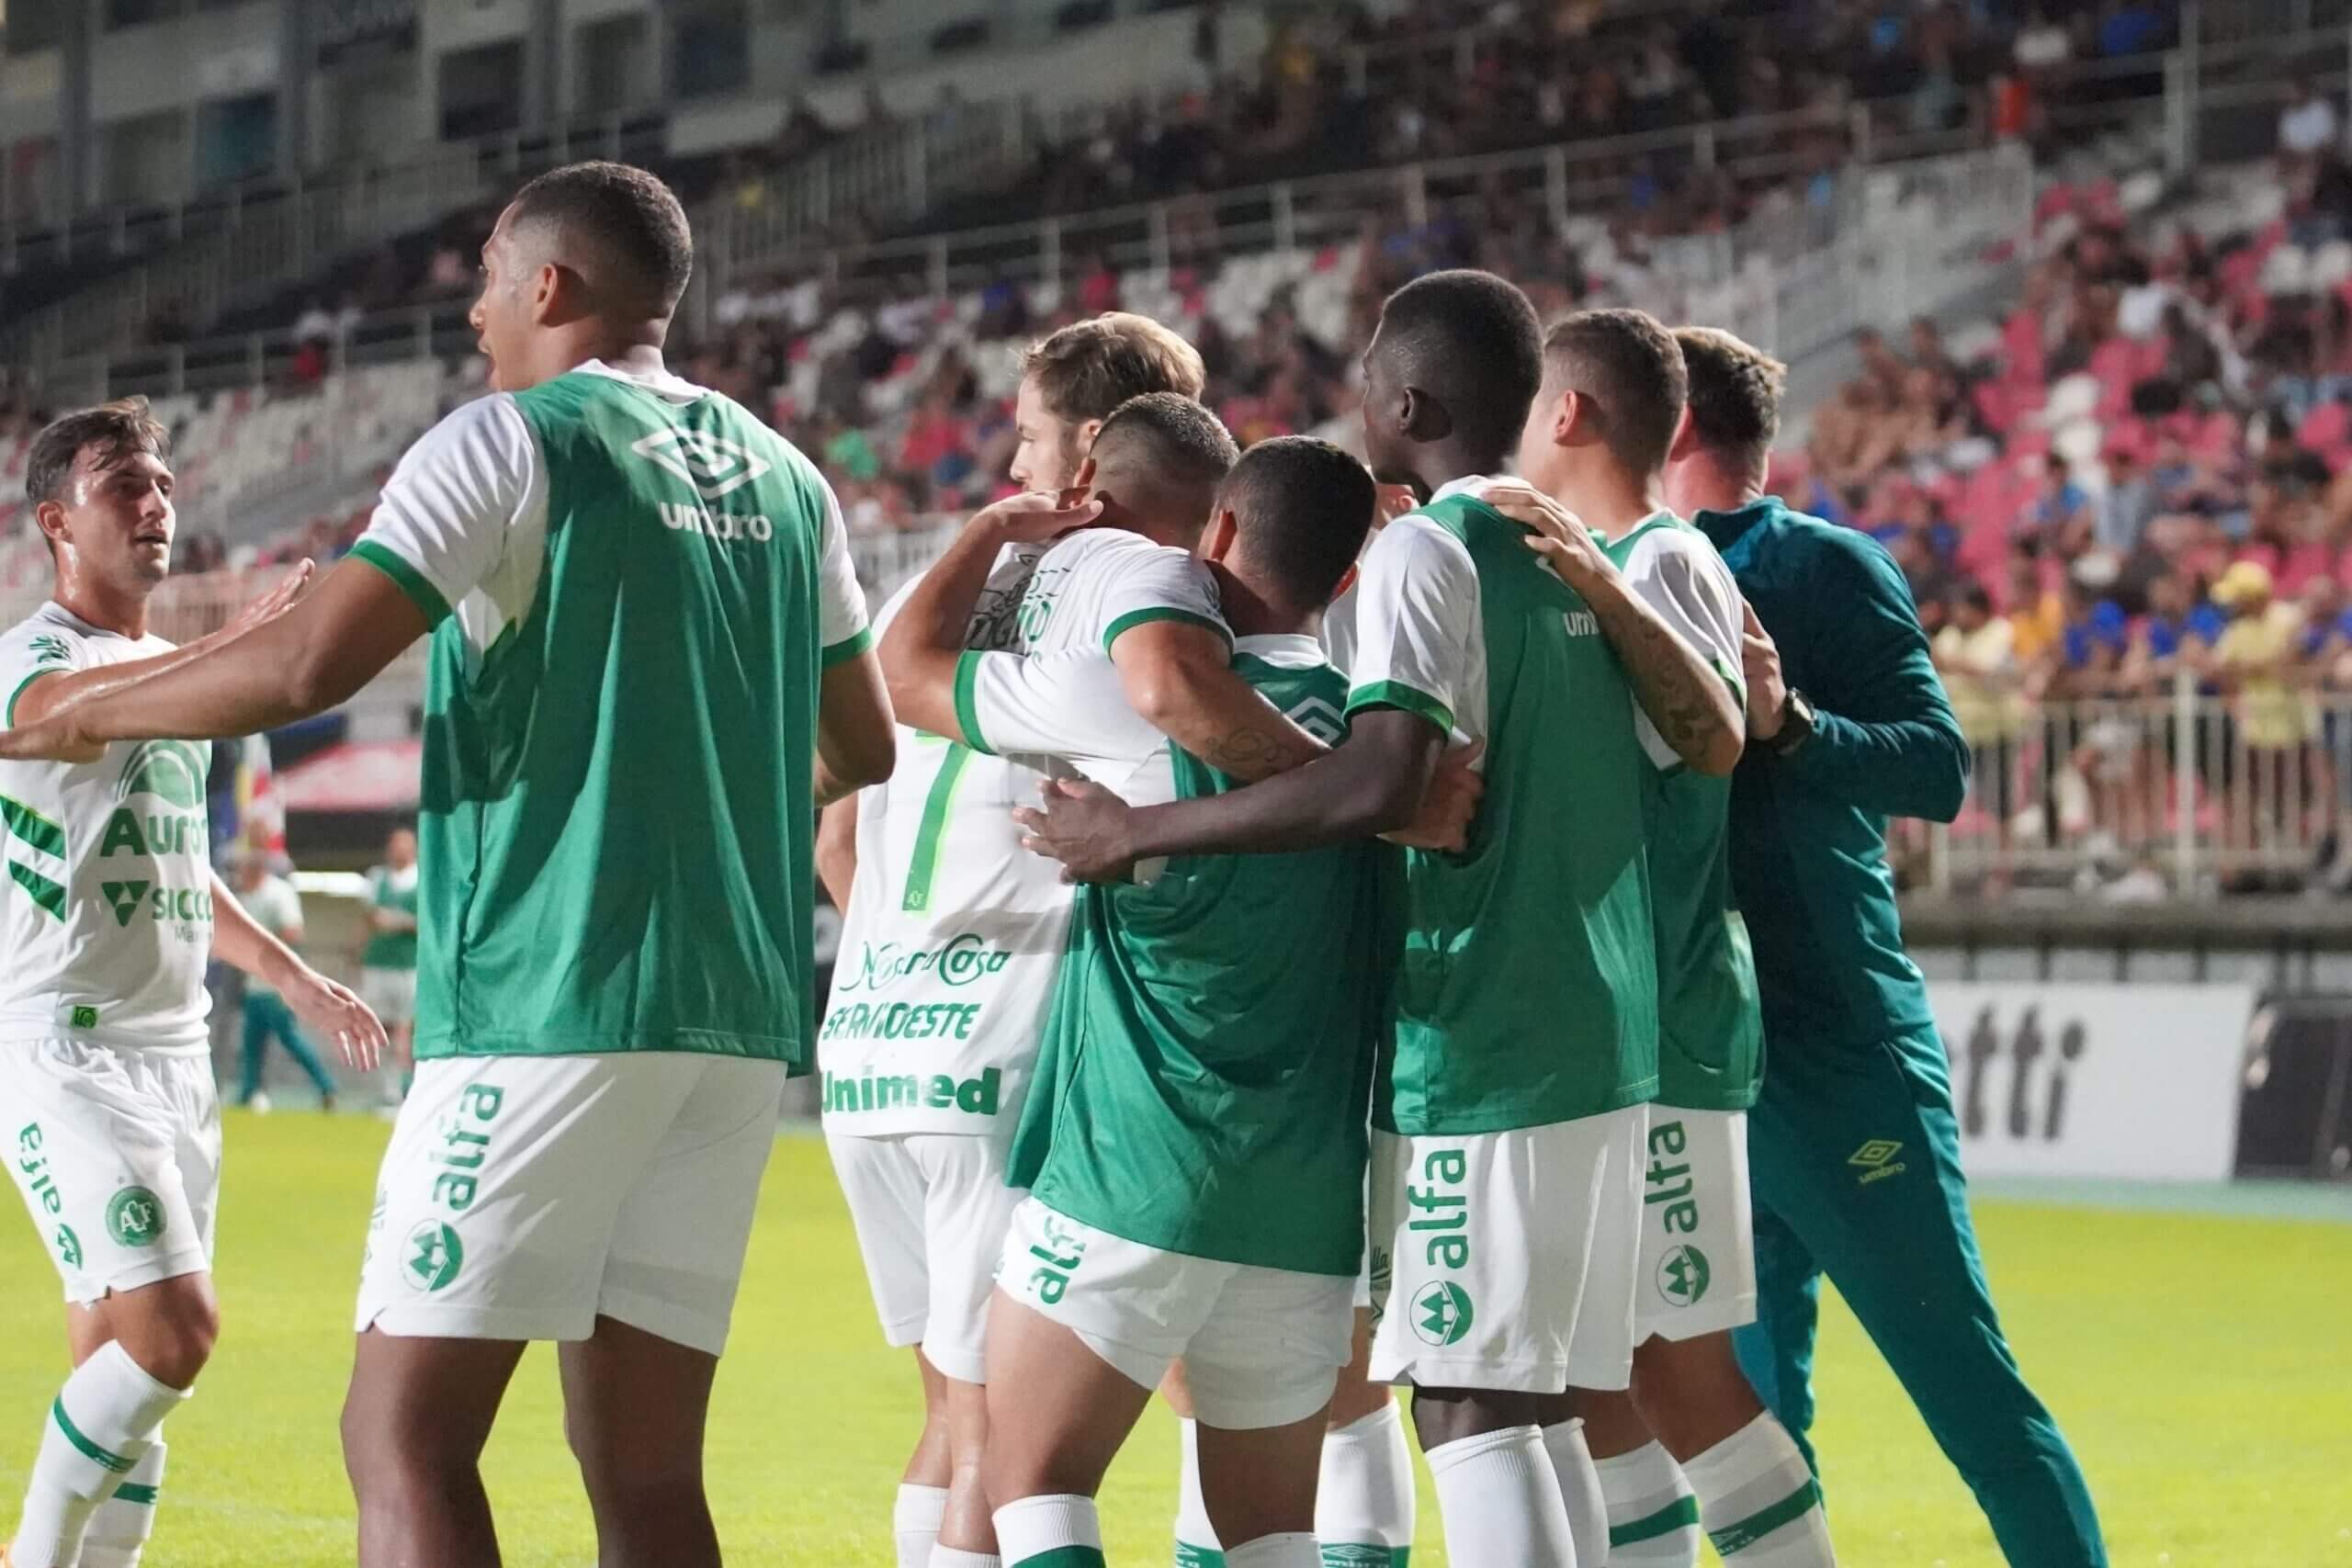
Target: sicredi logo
[(713, 465)]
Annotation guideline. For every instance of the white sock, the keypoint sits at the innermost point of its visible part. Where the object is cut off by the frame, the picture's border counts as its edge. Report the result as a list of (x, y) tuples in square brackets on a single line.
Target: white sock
[(1295, 1548), (104, 1417), (1500, 1501), (914, 1522), (1579, 1491), (948, 1557), (1196, 1543), (1652, 1518), (118, 1530), (1758, 1501), (1364, 1496), (1062, 1524)]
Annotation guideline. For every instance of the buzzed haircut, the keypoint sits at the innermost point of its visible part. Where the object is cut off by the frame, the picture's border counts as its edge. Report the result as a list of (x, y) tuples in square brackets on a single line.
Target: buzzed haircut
[(623, 223), (1628, 368), (1302, 508), (1471, 341), (118, 430), (1735, 395), (1172, 437), (1089, 367)]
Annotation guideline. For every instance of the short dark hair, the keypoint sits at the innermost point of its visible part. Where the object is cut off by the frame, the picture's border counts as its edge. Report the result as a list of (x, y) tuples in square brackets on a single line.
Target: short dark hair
[(1628, 364), (1303, 508), (1089, 367), (1735, 391), (1973, 596), (118, 430), (628, 218), (1470, 340), (1177, 440)]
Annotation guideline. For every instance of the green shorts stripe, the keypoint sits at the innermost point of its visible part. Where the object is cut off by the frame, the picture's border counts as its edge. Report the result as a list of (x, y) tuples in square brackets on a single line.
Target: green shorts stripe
[(1756, 1526), (90, 1450), (1683, 1511), (132, 1492)]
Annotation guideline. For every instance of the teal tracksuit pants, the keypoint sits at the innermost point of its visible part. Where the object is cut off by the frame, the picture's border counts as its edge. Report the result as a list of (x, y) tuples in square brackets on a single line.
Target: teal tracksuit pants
[(1854, 1161)]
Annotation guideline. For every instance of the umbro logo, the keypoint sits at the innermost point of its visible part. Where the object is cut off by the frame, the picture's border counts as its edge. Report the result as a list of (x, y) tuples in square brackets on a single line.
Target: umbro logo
[(1876, 1160), (713, 465), (1321, 720)]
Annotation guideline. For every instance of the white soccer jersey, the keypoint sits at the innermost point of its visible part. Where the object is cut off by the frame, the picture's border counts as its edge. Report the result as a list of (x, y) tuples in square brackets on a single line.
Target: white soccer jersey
[(954, 931), (106, 917), (952, 935), (1098, 583), (1679, 575), (1417, 637)]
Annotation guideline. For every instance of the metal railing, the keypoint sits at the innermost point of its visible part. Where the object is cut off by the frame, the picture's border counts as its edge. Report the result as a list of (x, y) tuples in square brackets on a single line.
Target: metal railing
[(2169, 791)]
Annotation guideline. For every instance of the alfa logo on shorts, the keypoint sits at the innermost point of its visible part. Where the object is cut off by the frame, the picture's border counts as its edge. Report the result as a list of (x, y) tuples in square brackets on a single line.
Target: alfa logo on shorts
[(69, 1247), (434, 1257), (1442, 1313), (135, 1217), (1682, 1275)]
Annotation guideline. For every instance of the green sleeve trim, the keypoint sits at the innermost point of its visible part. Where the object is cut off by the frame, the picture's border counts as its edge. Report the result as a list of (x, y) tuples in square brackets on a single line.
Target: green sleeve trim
[(967, 701), (1759, 1525), (850, 647), (1135, 618), (132, 1492), (1397, 694), (407, 578), (104, 1459), (1680, 1513), (8, 719)]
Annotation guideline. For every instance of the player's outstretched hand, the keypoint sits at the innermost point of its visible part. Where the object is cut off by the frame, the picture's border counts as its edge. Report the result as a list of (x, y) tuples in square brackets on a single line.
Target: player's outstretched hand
[(1767, 690), (1560, 537), (337, 1013), (1033, 517), (1084, 827), (272, 604), (1448, 805), (56, 739)]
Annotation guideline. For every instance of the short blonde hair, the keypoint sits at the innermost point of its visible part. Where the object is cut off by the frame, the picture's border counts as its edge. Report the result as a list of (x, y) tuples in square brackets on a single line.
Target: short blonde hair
[(1735, 393), (1092, 367)]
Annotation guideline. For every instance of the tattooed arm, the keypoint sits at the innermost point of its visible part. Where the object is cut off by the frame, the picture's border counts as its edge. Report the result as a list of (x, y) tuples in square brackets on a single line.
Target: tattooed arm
[(1695, 708), (1178, 677)]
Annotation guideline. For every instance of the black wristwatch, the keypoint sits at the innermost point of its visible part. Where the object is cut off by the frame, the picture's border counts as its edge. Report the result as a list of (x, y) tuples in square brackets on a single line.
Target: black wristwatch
[(1798, 722)]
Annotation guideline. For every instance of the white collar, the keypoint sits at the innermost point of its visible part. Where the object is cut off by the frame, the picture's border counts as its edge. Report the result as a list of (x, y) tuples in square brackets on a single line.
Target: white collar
[(662, 383), (1288, 648)]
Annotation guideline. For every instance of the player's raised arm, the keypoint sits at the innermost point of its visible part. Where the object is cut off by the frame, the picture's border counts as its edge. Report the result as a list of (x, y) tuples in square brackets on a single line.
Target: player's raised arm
[(923, 642), (1692, 706)]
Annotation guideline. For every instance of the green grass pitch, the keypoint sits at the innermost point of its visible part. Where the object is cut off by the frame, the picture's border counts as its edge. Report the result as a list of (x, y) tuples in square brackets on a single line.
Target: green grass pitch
[(2202, 1365)]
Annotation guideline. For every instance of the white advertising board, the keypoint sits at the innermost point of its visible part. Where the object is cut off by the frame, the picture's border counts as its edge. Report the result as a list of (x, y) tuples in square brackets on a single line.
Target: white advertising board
[(2129, 1082)]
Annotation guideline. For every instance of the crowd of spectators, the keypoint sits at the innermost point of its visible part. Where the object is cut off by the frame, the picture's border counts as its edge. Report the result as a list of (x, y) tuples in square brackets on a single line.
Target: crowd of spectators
[(2141, 474)]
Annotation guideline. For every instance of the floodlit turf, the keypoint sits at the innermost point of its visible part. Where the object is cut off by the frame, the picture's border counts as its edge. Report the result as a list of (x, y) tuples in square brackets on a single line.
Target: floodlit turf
[(2202, 1365)]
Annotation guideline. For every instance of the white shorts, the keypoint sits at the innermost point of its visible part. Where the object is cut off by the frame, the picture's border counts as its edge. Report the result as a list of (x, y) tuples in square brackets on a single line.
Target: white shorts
[(1698, 1270), (117, 1153), (524, 1197), (931, 1211), (1508, 1258), (390, 995), (1261, 1347)]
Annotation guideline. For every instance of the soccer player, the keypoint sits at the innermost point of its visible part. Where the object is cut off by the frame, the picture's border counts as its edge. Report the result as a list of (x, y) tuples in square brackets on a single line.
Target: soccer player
[(108, 914), (650, 666), (944, 909), (273, 905), (388, 963), (1614, 394), (1525, 1043), (1211, 1045), (1854, 1155)]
